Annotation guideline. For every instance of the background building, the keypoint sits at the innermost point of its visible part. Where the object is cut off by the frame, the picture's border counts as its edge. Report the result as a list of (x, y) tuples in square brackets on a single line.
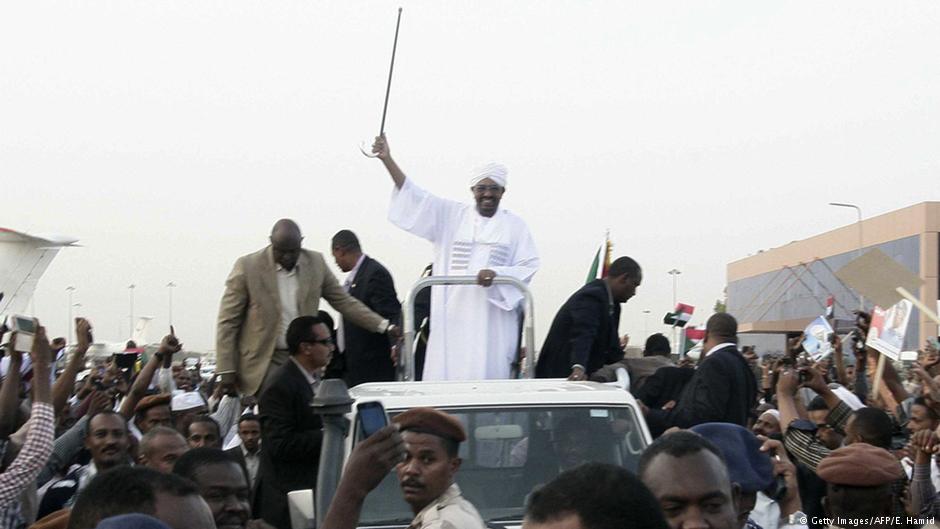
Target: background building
[(780, 291)]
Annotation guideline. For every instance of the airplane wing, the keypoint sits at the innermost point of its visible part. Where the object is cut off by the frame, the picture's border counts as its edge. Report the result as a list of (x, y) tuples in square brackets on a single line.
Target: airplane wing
[(23, 260)]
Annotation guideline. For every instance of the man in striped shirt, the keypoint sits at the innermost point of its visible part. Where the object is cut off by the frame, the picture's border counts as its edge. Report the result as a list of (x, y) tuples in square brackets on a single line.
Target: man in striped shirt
[(38, 447)]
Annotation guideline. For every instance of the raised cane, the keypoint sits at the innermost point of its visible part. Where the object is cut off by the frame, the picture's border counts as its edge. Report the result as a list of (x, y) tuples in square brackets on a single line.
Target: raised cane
[(388, 88)]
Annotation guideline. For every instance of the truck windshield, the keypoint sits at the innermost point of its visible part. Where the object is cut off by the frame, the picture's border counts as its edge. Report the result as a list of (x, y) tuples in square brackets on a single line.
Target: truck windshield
[(509, 451)]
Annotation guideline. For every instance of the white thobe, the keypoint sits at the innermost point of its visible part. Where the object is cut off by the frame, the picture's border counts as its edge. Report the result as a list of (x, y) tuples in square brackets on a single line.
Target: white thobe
[(474, 330)]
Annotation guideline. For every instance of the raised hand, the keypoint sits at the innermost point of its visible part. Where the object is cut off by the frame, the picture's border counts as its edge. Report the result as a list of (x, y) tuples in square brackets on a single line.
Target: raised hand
[(169, 345), (380, 148), (372, 459), (795, 345), (925, 444), (83, 334), (100, 401), (788, 382), (782, 465), (41, 353), (862, 321)]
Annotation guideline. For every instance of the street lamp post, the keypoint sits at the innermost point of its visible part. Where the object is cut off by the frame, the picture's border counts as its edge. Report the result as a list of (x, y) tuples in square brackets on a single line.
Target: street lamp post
[(131, 288), (68, 328), (858, 251), (169, 287), (646, 323), (675, 301)]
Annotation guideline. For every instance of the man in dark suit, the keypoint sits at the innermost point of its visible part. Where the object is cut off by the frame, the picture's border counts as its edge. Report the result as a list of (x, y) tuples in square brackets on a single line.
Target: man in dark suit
[(584, 334), (368, 354), (248, 453), (291, 433), (723, 388)]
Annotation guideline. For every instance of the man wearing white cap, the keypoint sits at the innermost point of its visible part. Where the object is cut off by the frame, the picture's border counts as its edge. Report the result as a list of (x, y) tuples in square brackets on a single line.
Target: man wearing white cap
[(474, 331), (767, 424), (187, 405)]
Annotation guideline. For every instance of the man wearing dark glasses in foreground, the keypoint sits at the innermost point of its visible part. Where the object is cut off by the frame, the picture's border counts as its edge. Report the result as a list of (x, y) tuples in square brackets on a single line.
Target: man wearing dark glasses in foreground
[(290, 432)]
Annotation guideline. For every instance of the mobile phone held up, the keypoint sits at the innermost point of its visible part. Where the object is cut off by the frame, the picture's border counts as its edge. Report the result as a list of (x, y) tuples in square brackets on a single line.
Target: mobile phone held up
[(25, 329), (371, 417)]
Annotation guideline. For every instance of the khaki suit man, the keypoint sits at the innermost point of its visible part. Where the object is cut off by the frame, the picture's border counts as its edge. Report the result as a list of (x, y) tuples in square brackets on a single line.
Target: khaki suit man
[(264, 292)]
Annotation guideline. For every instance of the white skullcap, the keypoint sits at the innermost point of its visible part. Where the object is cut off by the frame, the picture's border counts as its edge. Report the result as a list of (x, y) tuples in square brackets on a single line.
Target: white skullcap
[(774, 413), (187, 400), (847, 397), (496, 172)]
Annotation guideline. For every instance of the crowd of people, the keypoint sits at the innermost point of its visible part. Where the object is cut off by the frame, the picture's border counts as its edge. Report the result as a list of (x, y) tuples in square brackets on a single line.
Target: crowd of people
[(741, 440)]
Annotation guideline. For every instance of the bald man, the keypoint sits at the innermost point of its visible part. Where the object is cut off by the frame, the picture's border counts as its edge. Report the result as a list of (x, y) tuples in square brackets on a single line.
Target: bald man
[(265, 291)]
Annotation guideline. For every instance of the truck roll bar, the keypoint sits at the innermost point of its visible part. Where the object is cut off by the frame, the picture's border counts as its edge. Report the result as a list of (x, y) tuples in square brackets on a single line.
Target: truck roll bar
[(406, 359)]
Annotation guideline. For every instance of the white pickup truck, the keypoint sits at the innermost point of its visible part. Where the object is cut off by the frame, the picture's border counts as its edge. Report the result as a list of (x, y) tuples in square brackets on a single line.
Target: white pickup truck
[(521, 433)]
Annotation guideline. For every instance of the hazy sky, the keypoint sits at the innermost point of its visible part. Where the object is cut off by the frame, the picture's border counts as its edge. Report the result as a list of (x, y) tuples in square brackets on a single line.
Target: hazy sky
[(168, 136)]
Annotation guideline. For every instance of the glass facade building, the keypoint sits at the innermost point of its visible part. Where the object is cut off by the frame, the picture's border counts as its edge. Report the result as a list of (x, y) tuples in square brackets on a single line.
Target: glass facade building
[(779, 291)]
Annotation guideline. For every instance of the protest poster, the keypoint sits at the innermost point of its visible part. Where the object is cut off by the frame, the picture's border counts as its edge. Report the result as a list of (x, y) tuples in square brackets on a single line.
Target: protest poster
[(888, 328), (816, 339)]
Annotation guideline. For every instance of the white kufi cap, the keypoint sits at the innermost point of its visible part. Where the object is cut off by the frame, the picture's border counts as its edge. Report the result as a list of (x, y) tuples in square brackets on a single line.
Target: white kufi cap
[(773, 413), (187, 400)]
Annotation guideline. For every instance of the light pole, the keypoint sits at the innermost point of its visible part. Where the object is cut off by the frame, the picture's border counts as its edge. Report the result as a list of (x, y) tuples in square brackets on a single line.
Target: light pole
[(68, 328), (646, 323), (131, 288), (858, 252), (675, 301), (169, 287)]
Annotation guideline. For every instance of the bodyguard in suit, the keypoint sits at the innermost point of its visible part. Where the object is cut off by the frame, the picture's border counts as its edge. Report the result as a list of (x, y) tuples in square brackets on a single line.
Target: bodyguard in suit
[(291, 434), (368, 355), (265, 291), (584, 334), (723, 388)]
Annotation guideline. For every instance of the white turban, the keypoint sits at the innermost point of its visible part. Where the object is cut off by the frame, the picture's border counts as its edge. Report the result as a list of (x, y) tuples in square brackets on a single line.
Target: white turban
[(494, 171), (773, 413)]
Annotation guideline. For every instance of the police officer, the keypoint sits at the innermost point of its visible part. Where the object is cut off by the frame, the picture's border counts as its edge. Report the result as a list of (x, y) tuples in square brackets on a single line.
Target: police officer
[(432, 439)]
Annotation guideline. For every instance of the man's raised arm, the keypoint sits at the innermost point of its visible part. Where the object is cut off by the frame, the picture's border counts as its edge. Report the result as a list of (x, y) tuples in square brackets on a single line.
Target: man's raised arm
[(168, 346), (64, 385), (382, 152)]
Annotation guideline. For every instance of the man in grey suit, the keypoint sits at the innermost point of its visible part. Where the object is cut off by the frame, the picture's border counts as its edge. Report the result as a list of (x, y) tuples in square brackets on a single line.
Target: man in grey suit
[(265, 291)]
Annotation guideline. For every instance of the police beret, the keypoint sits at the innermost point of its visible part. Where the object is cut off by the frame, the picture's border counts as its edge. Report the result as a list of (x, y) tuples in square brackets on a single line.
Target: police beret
[(150, 401), (860, 465), (131, 521), (431, 421), (750, 468)]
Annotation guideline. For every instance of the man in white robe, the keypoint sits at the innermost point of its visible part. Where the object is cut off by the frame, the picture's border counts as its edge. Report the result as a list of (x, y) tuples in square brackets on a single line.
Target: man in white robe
[(474, 331)]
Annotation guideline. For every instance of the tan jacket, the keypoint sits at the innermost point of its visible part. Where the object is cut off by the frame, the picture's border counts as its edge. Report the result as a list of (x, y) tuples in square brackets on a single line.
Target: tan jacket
[(449, 511), (250, 312)]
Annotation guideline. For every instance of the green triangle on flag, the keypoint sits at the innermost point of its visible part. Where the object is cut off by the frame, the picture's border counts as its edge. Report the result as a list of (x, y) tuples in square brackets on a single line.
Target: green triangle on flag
[(595, 265)]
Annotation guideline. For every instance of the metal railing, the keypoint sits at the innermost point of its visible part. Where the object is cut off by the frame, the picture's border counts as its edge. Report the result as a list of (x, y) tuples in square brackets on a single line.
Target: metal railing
[(406, 358)]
